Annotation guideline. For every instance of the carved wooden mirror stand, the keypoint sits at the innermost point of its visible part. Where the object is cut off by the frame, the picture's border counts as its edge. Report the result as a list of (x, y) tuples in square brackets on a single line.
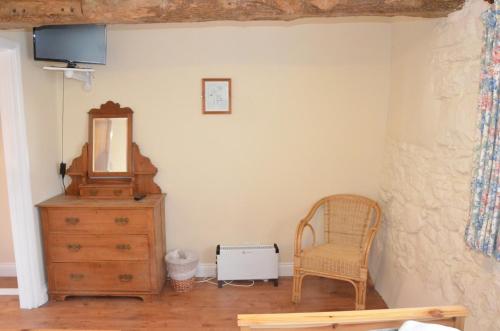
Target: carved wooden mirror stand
[(111, 165)]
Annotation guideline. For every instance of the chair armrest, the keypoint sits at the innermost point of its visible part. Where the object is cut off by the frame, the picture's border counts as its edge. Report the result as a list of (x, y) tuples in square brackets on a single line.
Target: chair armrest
[(371, 235), (298, 235), (303, 224)]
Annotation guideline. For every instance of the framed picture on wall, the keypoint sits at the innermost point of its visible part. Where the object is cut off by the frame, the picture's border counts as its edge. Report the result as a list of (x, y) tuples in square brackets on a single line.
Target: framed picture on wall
[(216, 95)]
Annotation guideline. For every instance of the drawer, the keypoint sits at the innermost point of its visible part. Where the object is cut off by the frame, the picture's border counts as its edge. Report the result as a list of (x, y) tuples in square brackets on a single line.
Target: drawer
[(96, 221), (77, 248), (101, 276), (106, 192)]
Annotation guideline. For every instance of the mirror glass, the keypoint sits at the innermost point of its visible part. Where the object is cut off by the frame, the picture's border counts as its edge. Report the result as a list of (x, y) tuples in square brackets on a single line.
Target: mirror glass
[(110, 145)]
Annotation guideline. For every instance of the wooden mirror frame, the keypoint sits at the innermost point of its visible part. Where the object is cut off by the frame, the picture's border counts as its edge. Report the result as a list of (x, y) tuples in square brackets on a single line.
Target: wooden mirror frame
[(110, 110)]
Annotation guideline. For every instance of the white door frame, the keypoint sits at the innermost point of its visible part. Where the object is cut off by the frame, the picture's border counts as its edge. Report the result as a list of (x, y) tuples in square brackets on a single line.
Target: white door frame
[(25, 226)]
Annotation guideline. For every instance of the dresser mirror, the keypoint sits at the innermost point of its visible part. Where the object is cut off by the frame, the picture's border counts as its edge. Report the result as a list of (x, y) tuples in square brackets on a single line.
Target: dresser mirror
[(110, 144), (110, 138)]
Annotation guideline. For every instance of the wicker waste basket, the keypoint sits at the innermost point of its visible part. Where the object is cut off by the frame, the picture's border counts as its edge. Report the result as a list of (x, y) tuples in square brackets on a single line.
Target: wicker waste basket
[(181, 266)]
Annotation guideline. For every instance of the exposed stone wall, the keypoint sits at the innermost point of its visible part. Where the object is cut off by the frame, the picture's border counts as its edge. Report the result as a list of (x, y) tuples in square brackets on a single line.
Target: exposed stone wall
[(420, 257)]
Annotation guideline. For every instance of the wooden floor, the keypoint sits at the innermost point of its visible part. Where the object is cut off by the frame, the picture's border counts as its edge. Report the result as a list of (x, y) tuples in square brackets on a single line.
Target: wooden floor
[(205, 308)]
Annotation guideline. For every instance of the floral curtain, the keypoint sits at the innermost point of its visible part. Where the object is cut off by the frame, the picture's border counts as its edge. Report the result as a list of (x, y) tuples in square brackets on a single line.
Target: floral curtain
[(482, 232)]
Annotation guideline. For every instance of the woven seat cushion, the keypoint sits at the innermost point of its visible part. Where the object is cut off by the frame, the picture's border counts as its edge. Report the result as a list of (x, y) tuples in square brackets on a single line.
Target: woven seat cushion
[(333, 259)]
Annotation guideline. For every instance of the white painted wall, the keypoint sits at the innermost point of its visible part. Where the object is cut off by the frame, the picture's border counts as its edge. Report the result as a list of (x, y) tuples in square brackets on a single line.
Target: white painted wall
[(309, 110), (420, 257)]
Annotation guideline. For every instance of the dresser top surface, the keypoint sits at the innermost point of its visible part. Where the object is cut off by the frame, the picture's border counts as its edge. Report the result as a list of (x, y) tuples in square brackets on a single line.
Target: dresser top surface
[(62, 200)]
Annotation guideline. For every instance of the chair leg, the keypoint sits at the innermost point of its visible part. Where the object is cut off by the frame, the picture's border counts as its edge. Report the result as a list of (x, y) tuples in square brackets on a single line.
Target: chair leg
[(295, 294), (301, 279), (360, 295), (297, 286)]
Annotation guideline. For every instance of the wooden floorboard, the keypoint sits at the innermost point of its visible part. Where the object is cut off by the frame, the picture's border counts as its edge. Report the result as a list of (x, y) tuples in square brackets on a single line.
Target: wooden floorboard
[(205, 308), (8, 282)]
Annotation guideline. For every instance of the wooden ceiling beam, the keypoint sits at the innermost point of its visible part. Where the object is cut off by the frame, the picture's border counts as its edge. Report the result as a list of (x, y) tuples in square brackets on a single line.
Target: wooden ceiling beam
[(28, 13)]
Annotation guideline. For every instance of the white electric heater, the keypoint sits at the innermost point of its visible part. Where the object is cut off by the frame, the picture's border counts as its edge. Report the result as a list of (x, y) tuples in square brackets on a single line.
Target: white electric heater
[(247, 262)]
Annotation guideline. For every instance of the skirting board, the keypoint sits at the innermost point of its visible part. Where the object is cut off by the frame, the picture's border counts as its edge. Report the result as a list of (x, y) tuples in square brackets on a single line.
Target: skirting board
[(209, 269), (7, 269), (204, 269), (9, 291)]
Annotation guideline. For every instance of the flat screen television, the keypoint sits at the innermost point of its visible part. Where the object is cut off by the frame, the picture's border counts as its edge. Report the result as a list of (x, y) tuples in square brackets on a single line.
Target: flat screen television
[(82, 43)]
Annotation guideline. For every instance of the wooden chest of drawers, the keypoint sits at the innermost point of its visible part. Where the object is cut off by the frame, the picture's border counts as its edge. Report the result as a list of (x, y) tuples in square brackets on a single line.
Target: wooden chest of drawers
[(104, 246)]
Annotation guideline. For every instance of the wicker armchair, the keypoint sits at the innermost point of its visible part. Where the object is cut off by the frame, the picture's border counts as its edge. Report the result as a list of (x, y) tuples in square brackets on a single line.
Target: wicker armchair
[(350, 224)]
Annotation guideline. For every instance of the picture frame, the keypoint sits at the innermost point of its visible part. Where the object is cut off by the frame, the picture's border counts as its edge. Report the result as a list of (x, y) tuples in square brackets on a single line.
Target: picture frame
[(216, 95)]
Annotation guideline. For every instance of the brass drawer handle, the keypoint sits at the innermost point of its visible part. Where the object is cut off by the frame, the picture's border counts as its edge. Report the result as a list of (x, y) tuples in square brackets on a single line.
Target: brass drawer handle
[(123, 247), (93, 192), (74, 247), (117, 192), (125, 278), (121, 220), (76, 276), (72, 220)]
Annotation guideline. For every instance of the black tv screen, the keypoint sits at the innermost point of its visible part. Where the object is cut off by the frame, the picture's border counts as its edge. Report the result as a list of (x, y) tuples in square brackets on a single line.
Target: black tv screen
[(81, 43)]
